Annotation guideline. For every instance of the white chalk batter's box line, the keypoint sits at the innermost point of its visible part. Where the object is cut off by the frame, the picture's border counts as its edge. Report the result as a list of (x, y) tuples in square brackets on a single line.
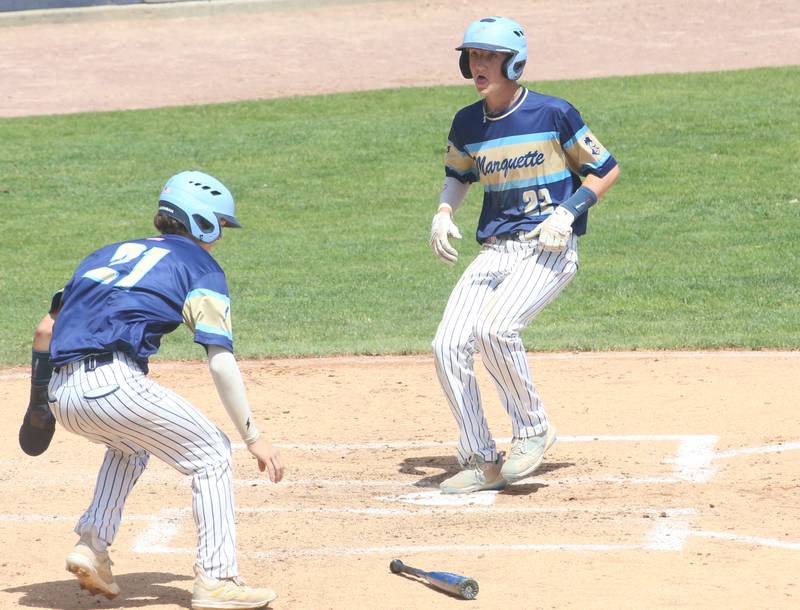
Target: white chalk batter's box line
[(668, 534), (691, 463), (670, 531)]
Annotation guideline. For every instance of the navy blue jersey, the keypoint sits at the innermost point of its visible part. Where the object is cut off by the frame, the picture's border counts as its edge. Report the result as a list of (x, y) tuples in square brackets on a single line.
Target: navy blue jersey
[(126, 296), (528, 160)]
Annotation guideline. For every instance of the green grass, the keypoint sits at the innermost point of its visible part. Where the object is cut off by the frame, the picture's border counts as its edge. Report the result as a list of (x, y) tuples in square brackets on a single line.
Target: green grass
[(695, 247)]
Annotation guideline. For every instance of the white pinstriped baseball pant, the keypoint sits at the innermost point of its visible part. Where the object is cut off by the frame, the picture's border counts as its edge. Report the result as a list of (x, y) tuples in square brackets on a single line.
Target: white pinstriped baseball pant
[(118, 406), (498, 295)]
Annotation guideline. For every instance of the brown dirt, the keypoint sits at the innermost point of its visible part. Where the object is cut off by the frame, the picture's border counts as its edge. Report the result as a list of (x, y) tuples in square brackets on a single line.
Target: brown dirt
[(675, 481), (109, 64), (609, 521)]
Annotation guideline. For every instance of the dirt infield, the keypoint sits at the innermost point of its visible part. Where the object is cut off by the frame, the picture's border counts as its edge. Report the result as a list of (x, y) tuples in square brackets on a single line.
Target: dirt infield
[(103, 63), (674, 484)]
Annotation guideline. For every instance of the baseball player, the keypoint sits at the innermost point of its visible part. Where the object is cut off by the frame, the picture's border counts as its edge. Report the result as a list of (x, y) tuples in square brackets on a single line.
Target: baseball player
[(541, 169), (114, 311)]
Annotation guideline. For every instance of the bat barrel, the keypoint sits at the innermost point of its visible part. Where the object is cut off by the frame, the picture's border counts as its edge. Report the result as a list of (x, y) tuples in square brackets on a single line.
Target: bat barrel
[(461, 586), (455, 584), (468, 588)]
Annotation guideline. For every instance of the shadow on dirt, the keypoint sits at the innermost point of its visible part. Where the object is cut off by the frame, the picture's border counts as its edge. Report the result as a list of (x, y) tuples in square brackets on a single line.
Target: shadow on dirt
[(139, 590), (449, 466)]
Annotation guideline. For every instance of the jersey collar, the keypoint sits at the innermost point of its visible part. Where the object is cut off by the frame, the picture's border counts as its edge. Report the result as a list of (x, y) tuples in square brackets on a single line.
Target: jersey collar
[(496, 117)]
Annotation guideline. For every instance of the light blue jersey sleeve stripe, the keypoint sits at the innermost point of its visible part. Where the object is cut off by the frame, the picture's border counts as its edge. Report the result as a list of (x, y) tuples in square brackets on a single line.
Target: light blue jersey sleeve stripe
[(205, 292), (213, 330), (574, 139), (518, 184), (510, 140), (600, 161)]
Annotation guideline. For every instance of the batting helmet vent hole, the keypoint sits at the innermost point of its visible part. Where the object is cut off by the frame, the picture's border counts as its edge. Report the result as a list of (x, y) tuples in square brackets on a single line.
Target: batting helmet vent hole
[(519, 33), (215, 193), (488, 20)]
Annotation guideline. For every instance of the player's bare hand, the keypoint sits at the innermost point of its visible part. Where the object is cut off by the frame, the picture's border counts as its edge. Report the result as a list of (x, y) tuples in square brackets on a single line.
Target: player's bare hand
[(443, 227), (268, 458), (554, 232)]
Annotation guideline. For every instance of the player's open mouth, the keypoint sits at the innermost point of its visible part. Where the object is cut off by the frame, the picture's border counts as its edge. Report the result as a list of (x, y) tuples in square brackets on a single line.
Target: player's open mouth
[(481, 80)]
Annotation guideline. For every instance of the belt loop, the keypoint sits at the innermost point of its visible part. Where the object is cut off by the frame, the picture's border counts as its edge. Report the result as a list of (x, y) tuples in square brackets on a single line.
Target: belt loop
[(93, 361)]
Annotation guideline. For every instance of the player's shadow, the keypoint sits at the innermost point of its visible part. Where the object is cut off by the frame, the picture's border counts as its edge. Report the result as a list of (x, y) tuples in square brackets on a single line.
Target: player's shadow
[(450, 466), (138, 590), (523, 488)]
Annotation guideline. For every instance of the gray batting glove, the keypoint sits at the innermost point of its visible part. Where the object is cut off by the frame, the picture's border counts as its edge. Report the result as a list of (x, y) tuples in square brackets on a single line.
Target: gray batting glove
[(442, 227)]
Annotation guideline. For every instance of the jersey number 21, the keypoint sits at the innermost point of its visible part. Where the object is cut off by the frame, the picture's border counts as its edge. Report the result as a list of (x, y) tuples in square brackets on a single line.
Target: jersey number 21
[(125, 254)]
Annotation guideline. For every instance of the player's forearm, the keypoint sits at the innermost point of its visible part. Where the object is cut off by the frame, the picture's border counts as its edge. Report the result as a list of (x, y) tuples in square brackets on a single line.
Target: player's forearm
[(43, 334), (230, 387), (589, 193), (453, 194), (600, 185)]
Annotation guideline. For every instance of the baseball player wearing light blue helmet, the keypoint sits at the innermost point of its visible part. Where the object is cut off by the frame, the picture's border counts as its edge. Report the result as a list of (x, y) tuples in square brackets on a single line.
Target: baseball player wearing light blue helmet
[(541, 169), (200, 202), (496, 34), (91, 359)]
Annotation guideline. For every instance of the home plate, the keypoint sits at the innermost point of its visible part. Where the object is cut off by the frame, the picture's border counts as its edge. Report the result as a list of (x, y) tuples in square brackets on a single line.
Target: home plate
[(436, 498)]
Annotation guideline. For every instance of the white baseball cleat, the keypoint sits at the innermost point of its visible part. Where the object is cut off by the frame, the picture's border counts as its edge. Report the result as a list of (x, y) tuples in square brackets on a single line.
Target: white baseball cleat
[(93, 571), (227, 593), (527, 455), (478, 475)]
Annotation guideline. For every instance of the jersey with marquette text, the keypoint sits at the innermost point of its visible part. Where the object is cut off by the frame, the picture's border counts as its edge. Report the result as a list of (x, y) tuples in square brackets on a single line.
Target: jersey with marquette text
[(528, 160), (126, 296)]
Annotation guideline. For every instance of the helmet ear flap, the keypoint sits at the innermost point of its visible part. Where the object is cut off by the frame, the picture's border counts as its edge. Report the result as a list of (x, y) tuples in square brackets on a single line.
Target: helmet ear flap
[(507, 69), (463, 63), (206, 226), (513, 70)]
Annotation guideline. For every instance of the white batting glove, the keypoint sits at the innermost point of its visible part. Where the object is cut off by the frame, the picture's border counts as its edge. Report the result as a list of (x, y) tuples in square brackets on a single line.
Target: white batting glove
[(442, 227), (554, 232)]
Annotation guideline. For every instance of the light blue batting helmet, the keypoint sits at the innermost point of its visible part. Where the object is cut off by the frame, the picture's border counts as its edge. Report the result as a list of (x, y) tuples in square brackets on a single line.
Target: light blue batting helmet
[(496, 34), (198, 201)]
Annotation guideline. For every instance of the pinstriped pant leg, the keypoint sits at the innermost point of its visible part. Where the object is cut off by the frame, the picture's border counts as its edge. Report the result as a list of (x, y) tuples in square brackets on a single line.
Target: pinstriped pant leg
[(214, 515), (205, 454), (123, 462), (118, 474), (139, 418), (453, 350), (535, 279)]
